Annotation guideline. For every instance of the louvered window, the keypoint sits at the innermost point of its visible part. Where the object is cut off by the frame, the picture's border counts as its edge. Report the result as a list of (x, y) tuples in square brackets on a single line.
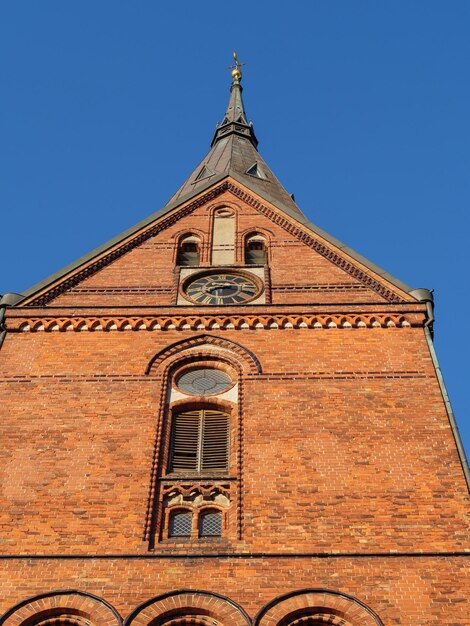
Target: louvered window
[(200, 442)]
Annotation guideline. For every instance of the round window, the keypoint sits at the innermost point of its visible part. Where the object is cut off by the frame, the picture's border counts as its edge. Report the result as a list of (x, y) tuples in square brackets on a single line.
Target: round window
[(204, 382)]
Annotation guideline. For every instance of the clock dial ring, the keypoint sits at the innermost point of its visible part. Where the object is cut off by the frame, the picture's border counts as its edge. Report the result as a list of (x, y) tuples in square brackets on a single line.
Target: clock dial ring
[(221, 287)]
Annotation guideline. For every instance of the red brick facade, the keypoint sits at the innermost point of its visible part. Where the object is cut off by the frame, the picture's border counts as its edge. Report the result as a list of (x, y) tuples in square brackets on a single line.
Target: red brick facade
[(344, 501)]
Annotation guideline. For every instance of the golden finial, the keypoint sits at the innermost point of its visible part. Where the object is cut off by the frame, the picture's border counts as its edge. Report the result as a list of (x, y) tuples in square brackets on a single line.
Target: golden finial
[(236, 71)]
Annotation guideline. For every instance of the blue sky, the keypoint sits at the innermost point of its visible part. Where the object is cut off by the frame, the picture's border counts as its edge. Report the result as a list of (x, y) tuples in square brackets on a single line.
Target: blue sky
[(361, 109)]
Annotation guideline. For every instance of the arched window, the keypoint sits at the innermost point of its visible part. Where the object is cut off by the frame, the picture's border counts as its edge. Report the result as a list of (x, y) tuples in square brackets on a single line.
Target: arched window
[(255, 250), (210, 523), (200, 442), (180, 523), (200, 424), (188, 250)]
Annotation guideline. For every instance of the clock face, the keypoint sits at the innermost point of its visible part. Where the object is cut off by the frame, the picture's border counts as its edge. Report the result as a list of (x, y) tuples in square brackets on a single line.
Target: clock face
[(216, 288)]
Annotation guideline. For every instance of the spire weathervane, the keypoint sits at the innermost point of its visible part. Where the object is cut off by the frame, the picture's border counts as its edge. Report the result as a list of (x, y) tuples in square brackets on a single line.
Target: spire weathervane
[(236, 71)]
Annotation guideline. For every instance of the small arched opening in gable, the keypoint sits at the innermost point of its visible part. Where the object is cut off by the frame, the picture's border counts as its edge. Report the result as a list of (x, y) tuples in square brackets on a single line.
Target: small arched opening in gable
[(189, 250), (256, 251)]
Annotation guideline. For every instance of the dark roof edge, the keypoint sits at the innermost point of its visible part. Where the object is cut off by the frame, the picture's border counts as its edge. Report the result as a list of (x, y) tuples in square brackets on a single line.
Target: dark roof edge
[(115, 240), (336, 242), (359, 257), (173, 205)]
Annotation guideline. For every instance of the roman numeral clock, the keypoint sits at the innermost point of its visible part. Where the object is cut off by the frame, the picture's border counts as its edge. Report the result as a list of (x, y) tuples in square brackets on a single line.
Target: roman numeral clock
[(221, 287)]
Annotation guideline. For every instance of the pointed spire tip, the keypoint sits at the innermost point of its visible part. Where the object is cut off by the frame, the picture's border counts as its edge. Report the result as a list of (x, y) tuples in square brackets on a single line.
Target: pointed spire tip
[(235, 120)]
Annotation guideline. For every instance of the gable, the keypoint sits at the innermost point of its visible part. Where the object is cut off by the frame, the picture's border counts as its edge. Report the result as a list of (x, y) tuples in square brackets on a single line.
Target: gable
[(138, 269)]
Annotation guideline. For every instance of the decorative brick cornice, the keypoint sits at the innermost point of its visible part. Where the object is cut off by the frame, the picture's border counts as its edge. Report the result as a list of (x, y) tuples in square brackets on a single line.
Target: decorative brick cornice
[(212, 322), (335, 287)]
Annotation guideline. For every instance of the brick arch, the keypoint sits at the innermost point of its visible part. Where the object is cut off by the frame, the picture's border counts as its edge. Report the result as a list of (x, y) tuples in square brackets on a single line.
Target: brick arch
[(202, 402), (68, 608), (188, 231), (191, 619), (267, 232), (222, 204), (188, 606), (312, 607), (243, 238), (246, 355), (224, 361), (179, 236)]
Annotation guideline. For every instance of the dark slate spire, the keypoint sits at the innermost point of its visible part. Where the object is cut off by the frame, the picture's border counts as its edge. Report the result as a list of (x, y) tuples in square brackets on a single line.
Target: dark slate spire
[(235, 118), (234, 153)]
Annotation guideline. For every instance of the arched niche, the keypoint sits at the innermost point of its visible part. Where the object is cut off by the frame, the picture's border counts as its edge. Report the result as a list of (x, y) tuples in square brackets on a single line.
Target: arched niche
[(315, 607), (178, 608), (188, 250), (255, 249), (67, 608)]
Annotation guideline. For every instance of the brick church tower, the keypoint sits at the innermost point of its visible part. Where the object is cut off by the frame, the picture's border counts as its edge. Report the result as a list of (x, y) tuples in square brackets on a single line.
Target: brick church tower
[(226, 417)]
